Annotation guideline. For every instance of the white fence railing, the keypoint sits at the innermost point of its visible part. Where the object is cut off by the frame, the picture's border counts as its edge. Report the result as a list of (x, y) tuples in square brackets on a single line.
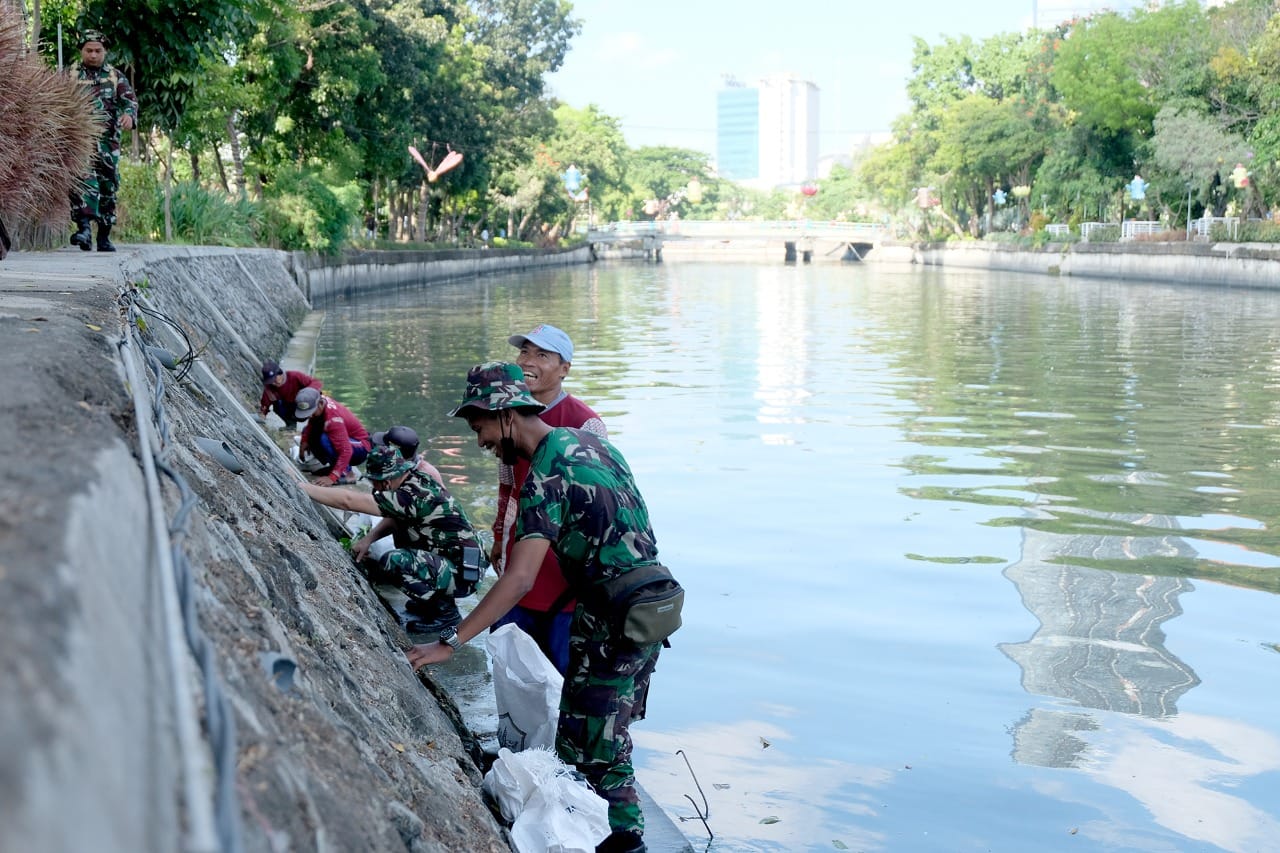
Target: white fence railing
[(1058, 229), (1132, 229), (1202, 226), (1087, 228)]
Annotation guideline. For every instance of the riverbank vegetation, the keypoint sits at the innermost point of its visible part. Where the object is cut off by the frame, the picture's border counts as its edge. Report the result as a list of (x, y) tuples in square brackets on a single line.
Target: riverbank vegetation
[(288, 123), (1165, 116)]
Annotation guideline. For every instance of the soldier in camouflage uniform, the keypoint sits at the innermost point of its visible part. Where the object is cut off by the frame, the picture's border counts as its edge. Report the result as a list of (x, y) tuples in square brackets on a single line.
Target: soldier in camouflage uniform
[(433, 537), (580, 501), (114, 99)]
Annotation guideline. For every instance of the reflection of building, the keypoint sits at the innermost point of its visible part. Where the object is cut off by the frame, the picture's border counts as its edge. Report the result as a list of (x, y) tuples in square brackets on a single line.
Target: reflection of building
[(1046, 738), (1100, 643), (776, 121)]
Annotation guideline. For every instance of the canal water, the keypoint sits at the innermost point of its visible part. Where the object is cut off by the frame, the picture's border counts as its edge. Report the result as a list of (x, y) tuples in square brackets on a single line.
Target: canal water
[(975, 561)]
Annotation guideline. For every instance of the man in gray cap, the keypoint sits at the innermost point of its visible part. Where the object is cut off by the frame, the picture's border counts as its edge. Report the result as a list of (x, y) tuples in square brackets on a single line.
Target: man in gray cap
[(546, 354), (333, 435)]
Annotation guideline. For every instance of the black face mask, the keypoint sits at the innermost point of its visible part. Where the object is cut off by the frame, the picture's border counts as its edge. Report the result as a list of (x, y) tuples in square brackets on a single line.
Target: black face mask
[(507, 446)]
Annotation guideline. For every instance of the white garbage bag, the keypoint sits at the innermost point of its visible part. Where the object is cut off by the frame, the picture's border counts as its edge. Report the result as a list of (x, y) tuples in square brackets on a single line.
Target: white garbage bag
[(553, 809), (527, 688), (360, 523)]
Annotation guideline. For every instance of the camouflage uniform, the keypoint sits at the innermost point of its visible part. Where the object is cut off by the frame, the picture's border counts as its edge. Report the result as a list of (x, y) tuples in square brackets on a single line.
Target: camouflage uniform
[(581, 496), (113, 98), (430, 533)]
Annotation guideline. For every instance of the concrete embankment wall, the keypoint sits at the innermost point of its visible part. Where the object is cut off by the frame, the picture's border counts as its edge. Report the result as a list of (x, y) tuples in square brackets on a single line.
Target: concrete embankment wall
[(110, 729), (325, 278), (1234, 264)]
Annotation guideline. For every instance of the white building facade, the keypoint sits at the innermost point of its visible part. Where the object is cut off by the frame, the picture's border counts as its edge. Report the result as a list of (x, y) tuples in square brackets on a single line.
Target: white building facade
[(787, 132)]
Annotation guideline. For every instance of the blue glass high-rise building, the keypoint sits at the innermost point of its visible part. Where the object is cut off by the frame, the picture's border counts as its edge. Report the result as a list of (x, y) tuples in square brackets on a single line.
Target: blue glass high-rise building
[(738, 131)]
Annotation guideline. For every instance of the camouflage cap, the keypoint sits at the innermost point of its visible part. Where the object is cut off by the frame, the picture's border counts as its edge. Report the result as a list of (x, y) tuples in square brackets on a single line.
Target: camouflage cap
[(92, 35), (496, 385), (385, 463)]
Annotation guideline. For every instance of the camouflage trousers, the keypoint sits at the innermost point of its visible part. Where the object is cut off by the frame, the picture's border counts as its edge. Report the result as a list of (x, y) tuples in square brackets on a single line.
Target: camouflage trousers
[(96, 198), (606, 687), (422, 573)]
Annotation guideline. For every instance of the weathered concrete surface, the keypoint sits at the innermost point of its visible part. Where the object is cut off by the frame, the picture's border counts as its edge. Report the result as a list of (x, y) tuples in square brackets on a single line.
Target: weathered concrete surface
[(1233, 264), (358, 755), (325, 278)]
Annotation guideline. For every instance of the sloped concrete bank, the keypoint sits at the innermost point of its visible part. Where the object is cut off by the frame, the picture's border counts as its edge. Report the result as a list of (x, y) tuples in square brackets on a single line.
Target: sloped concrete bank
[(112, 735), (1232, 264)]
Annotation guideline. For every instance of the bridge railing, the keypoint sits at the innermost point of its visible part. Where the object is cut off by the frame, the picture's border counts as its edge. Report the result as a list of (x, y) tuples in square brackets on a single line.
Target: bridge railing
[(787, 229)]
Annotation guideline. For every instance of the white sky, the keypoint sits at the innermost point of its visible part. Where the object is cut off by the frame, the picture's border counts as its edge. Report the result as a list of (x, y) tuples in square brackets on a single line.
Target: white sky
[(657, 65)]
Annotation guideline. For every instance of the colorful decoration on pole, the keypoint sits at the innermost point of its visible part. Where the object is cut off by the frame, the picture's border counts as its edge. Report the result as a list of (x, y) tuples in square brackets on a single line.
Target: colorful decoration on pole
[(451, 160), (693, 192), (809, 190), (573, 180), (1137, 188), (1240, 176)]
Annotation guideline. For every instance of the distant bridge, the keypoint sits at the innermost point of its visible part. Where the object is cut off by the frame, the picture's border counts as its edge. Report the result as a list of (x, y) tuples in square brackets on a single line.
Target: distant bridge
[(858, 237)]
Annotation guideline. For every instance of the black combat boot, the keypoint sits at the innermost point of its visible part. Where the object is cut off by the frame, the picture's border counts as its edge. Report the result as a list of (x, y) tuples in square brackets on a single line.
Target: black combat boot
[(83, 237), (433, 614), (622, 842), (104, 232)]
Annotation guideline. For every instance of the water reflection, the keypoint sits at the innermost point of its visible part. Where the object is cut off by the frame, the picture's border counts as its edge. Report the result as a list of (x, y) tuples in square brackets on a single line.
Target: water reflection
[(1100, 642), (806, 435), (765, 793)]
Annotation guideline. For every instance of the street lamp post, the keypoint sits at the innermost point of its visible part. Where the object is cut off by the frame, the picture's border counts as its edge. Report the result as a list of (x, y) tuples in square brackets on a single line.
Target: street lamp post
[(1188, 211)]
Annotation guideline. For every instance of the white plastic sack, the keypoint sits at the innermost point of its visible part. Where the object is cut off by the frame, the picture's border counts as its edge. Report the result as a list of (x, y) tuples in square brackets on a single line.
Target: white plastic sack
[(359, 523), (527, 688), (553, 810)]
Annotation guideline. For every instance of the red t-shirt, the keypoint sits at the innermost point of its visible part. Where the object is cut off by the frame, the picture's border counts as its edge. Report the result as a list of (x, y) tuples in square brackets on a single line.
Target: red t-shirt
[(569, 411), (342, 427), (294, 381)]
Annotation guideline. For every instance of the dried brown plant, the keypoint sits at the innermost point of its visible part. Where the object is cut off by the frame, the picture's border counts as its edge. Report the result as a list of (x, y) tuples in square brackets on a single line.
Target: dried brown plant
[(48, 132)]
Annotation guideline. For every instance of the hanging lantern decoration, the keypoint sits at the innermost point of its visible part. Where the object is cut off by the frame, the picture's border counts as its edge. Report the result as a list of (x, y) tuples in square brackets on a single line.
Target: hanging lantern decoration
[(1240, 176), (810, 190), (693, 192), (1137, 188), (999, 197), (572, 178)]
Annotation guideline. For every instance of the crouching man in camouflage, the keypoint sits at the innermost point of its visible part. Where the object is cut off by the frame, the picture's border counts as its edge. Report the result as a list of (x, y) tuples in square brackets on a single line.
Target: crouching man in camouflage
[(438, 556), (580, 501), (116, 104)]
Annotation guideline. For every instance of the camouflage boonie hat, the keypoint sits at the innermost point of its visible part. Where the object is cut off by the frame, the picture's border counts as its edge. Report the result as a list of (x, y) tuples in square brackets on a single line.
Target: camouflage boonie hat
[(92, 35), (386, 463), (496, 385)]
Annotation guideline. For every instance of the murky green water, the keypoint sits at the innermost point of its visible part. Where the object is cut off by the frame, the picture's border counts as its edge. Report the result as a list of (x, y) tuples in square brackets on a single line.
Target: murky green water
[(975, 561)]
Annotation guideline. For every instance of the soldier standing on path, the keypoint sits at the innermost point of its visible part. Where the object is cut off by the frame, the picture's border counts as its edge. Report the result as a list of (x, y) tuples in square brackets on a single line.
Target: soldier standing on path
[(114, 99)]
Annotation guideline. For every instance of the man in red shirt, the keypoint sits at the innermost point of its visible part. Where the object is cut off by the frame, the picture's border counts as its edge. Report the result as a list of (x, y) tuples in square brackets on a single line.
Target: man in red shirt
[(545, 612), (280, 388), (333, 435)]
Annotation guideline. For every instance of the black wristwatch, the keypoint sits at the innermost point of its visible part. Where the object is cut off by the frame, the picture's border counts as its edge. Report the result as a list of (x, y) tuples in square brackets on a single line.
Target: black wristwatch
[(449, 636)]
